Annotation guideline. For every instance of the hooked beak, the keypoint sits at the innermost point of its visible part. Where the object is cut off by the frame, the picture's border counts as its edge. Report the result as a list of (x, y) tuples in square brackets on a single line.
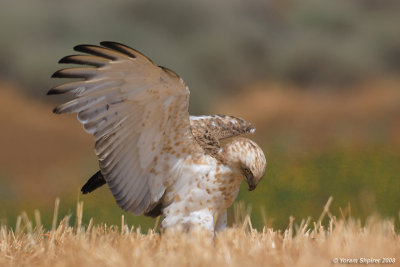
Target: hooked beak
[(252, 187), (250, 182)]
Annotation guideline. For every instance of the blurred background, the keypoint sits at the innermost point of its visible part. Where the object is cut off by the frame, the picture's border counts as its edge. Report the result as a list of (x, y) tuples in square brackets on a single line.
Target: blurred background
[(319, 79)]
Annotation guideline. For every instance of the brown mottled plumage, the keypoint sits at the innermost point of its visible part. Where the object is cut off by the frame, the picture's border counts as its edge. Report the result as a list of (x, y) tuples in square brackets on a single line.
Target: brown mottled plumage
[(208, 130), (155, 158)]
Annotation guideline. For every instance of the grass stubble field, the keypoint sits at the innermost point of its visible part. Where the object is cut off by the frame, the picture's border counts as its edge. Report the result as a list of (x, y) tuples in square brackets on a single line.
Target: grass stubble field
[(342, 241)]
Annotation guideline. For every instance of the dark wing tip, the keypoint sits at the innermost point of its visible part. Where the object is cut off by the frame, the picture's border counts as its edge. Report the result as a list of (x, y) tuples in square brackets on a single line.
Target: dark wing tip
[(85, 48), (85, 190), (109, 43), (56, 110), (85, 73), (96, 51), (52, 91), (68, 73), (129, 51), (124, 49), (93, 183), (58, 74), (84, 60), (114, 45), (66, 60)]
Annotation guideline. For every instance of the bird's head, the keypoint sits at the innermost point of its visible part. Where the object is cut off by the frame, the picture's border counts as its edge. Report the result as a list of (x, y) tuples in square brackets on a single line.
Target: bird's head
[(247, 157)]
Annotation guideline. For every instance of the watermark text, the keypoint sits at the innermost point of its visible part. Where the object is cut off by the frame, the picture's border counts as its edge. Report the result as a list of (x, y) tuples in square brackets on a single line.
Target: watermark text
[(340, 260)]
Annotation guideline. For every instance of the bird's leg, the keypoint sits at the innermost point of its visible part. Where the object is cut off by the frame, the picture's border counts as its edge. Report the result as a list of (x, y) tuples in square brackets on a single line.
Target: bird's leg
[(220, 224)]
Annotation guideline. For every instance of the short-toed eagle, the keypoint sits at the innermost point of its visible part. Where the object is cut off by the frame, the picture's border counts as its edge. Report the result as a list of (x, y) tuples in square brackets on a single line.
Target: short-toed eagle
[(154, 156)]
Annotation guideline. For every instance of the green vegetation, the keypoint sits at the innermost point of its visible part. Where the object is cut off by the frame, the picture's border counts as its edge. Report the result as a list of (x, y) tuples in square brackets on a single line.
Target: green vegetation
[(366, 178), (295, 185)]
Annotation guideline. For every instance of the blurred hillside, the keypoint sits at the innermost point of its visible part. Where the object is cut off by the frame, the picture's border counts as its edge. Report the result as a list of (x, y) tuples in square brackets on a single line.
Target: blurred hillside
[(216, 46), (359, 115)]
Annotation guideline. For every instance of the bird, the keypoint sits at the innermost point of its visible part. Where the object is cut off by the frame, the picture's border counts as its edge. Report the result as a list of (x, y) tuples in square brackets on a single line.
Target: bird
[(156, 158)]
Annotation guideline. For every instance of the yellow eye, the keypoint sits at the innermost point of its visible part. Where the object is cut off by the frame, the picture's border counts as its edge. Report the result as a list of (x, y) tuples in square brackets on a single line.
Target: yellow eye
[(247, 171)]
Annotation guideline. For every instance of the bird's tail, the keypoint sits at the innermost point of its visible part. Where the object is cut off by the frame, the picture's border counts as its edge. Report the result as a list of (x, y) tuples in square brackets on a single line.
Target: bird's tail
[(93, 183)]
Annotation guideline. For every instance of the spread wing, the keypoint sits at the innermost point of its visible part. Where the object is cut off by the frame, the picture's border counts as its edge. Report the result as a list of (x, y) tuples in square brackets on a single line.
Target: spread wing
[(128, 104), (208, 130)]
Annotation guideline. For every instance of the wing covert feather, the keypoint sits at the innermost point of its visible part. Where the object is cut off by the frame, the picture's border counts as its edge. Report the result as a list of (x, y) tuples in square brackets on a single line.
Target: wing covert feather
[(208, 130)]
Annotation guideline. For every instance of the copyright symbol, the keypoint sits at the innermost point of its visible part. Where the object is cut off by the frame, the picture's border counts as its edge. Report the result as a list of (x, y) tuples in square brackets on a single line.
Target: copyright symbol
[(334, 260)]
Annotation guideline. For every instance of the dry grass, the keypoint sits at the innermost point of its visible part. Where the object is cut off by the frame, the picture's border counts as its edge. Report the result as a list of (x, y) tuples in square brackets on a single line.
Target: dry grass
[(302, 245)]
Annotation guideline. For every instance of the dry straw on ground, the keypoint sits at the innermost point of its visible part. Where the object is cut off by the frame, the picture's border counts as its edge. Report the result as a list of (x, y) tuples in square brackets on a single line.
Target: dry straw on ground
[(307, 244)]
